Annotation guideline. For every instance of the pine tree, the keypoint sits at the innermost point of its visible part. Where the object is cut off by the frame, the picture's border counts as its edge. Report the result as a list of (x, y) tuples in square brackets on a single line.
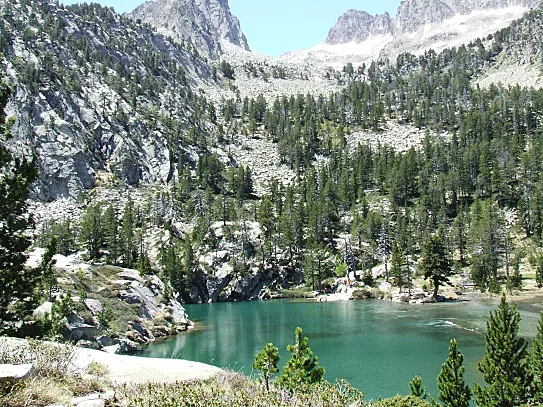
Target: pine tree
[(91, 236), (49, 279), (536, 364), (266, 216), (189, 265), (170, 260), (17, 283), (459, 234), (266, 361), (453, 391), (111, 231), (487, 235), (317, 264), (435, 263), (302, 368), (128, 234), (398, 266), (538, 260), (384, 248), (416, 389), (503, 367)]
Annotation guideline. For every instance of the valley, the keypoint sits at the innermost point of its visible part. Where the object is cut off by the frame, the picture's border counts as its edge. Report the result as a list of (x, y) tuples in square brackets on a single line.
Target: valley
[(152, 161)]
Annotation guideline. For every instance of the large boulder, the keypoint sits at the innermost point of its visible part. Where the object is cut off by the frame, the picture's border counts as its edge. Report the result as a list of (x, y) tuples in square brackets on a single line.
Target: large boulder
[(88, 344), (131, 275), (107, 340), (125, 346), (14, 373), (94, 306), (131, 297), (94, 399), (75, 329), (145, 334), (177, 313), (44, 309)]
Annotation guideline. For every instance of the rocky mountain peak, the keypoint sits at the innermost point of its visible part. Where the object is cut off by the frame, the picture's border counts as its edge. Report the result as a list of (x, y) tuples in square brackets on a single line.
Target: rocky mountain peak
[(358, 26), (413, 14), (202, 22)]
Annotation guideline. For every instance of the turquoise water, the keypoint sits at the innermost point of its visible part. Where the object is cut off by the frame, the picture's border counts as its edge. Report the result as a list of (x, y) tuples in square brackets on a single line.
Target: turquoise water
[(378, 346)]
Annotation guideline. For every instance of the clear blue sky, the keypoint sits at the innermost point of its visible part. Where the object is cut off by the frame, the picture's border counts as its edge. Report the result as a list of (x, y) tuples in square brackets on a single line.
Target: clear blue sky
[(274, 27)]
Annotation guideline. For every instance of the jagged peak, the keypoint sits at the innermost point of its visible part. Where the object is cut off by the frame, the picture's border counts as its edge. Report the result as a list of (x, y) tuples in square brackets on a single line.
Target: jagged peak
[(203, 23), (357, 26)]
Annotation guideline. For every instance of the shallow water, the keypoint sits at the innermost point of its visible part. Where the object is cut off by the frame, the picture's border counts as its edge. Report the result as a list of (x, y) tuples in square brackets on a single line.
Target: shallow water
[(378, 346)]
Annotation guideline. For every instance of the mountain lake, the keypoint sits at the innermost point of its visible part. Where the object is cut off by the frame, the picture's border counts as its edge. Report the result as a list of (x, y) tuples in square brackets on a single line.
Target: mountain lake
[(377, 346)]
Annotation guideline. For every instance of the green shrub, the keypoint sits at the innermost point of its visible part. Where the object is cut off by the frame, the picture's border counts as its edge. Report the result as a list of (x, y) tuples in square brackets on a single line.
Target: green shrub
[(367, 278), (362, 294), (302, 369), (494, 286), (106, 317), (234, 390), (403, 401), (97, 369), (303, 292)]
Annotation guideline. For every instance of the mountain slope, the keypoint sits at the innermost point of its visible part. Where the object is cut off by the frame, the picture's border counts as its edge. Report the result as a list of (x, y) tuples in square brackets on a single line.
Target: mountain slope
[(93, 91), (204, 23)]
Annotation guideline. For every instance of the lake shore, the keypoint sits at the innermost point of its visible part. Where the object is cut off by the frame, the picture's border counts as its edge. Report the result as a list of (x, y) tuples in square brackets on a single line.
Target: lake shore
[(385, 291), (125, 369)]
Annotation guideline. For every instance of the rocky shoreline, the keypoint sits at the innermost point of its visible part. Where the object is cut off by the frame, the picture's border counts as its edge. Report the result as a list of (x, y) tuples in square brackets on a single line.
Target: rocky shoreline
[(112, 309)]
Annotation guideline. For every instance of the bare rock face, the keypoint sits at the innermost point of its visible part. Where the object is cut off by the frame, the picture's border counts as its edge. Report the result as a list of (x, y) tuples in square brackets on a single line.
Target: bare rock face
[(358, 26), (419, 25), (84, 117), (412, 15), (203, 22)]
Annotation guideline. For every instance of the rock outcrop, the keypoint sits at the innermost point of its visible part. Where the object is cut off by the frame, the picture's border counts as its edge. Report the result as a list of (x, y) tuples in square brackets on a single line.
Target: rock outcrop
[(204, 23), (120, 310), (14, 373), (414, 14), (224, 275), (358, 26)]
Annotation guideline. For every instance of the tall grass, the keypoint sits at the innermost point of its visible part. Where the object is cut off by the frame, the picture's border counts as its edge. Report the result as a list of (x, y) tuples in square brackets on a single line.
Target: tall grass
[(56, 380)]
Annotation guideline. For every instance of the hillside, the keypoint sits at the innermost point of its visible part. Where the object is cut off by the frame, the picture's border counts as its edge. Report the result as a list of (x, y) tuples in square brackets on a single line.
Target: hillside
[(97, 92), (244, 177)]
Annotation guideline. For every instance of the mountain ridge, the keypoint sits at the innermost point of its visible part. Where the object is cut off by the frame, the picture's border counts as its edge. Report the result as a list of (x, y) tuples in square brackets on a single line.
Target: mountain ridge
[(202, 22), (411, 15), (419, 25)]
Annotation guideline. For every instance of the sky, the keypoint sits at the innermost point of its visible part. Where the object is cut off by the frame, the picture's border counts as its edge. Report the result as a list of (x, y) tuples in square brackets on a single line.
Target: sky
[(274, 27)]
